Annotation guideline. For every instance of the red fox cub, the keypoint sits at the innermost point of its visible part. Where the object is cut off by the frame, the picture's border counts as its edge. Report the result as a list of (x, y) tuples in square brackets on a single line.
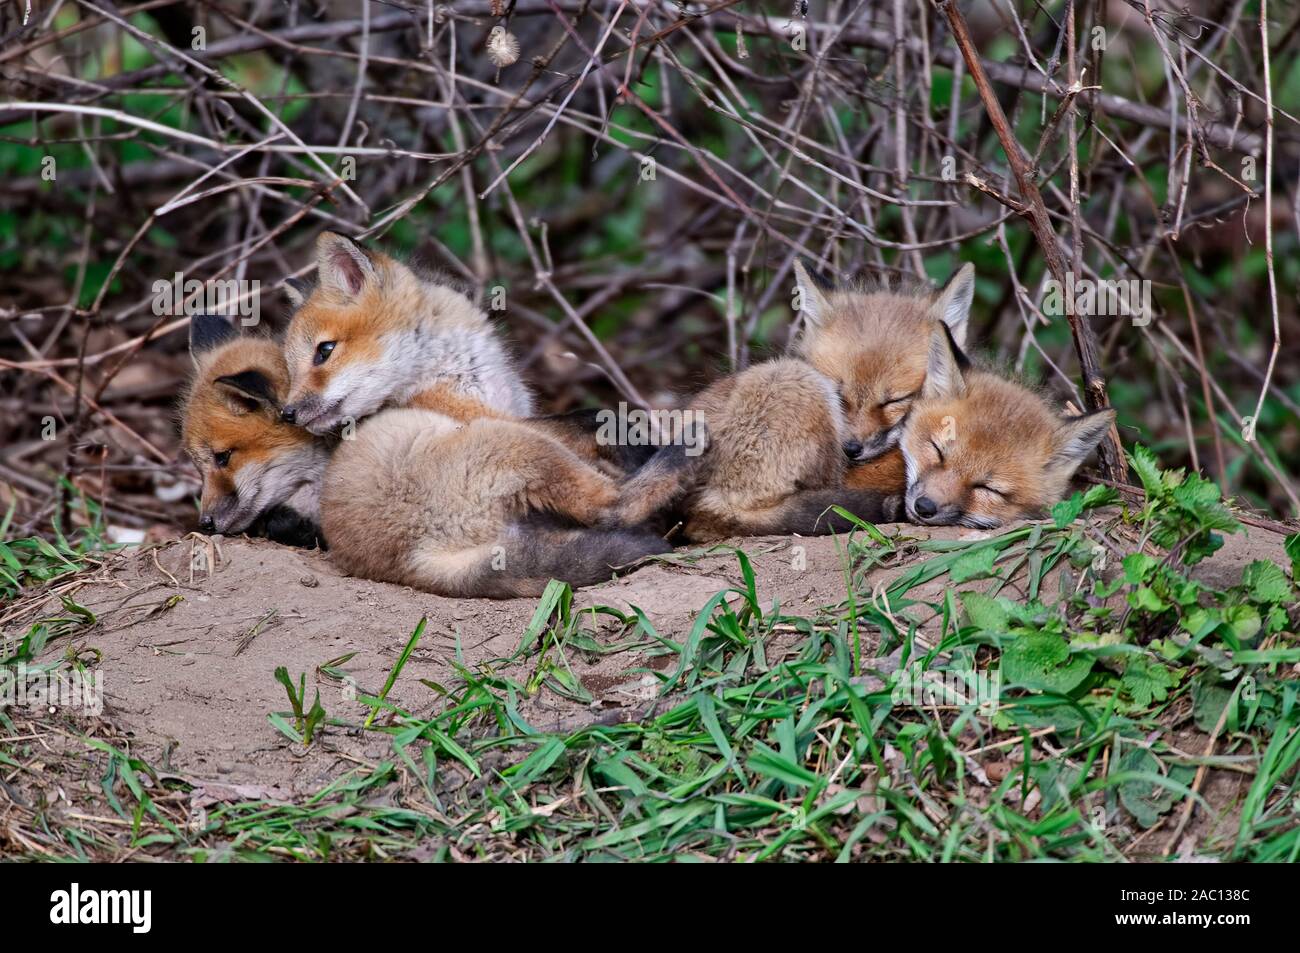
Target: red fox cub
[(488, 507), (794, 436), (373, 333), (775, 461), (981, 450), (874, 344), (260, 474)]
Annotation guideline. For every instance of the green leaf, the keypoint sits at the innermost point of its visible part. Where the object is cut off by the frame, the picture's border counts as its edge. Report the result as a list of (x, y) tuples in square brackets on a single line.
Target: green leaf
[(1146, 599), (1147, 469), (985, 613), (977, 564), (1146, 798), (1266, 582), (1145, 681), (1209, 698), (1137, 566), (1292, 547), (1065, 512), (1041, 661)]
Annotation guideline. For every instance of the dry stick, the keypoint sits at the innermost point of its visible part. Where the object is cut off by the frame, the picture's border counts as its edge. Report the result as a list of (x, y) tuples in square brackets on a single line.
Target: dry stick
[(361, 75), (1224, 135), (1268, 215), (695, 153), (252, 100), (1111, 452), (1219, 456), (555, 117)]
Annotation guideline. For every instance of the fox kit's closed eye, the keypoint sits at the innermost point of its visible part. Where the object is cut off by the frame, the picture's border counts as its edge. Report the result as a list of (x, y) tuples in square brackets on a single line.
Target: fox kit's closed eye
[(981, 450), (488, 507), (373, 333), (259, 473), (874, 344)]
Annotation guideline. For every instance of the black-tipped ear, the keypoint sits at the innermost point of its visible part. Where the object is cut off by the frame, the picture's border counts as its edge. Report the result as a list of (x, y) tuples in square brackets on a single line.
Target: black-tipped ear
[(208, 331), (297, 290), (250, 386), (342, 264), (958, 355), (945, 367)]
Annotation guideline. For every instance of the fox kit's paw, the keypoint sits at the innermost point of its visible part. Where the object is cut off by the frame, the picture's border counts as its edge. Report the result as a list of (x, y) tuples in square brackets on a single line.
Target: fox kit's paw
[(284, 525)]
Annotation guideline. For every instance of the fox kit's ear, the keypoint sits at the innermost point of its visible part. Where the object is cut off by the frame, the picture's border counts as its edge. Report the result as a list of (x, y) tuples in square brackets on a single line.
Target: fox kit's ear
[(296, 290), (208, 331), (249, 390), (813, 304), (342, 265), (944, 376), (952, 307), (1076, 437)]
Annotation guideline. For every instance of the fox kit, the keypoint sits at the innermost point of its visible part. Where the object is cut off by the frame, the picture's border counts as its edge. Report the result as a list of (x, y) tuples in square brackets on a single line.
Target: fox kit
[(874, 344), (792, 437), (488, 507), (775, 461), (260, 474), (373, 333), (981, 450)]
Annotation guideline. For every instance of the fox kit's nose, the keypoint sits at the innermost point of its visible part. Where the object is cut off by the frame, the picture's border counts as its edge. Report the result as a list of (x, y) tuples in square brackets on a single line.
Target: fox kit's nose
[(207, 524), (852, 449), (926, 507), (289, 413)]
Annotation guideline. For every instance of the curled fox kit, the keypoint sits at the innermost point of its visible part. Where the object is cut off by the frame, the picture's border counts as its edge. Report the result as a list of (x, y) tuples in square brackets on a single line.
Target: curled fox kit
[(392, 424)]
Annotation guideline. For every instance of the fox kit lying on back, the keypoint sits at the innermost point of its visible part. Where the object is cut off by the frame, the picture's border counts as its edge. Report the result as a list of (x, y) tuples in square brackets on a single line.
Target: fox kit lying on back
[(486, 508), (792, 437), (259, 473), (981, 450)]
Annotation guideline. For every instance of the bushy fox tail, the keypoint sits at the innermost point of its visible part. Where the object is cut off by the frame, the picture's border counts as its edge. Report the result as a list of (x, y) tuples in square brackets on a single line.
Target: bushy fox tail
[(530, 554)]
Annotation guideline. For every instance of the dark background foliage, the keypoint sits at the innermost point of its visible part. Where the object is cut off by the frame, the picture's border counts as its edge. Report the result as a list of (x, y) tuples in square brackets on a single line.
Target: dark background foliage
[(665, 163)]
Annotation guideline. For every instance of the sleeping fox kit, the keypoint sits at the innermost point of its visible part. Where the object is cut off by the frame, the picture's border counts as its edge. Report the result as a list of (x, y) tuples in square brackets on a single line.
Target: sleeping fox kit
[(447, 482), (795, 436), (981, 450)]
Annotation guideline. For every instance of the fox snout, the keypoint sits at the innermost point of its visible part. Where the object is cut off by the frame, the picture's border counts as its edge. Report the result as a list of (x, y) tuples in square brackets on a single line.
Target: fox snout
[(219, 515), (870, 447), (930, 508), (308, 411)]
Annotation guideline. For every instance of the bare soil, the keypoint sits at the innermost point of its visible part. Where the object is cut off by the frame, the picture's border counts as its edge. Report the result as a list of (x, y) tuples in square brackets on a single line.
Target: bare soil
[(188, 654)]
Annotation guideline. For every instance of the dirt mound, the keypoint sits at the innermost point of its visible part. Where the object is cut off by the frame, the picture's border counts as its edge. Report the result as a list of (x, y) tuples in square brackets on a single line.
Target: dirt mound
[(191, 633)]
